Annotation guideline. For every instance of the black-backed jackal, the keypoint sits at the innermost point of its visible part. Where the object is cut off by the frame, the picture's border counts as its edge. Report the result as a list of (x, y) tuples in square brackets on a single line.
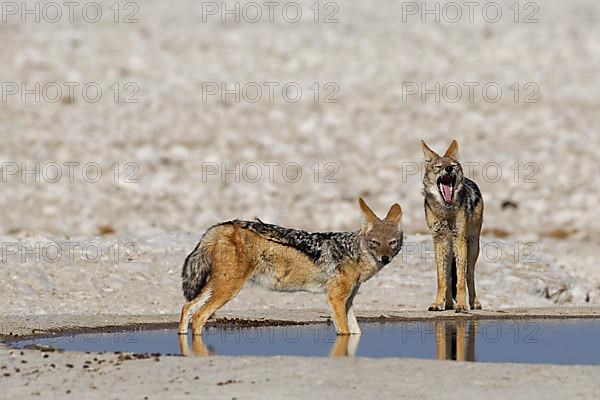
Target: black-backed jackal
[(454, 213), (231, 253)]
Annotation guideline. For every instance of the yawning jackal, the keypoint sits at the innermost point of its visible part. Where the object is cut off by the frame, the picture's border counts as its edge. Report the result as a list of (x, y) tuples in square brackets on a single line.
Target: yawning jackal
[(454, 213)]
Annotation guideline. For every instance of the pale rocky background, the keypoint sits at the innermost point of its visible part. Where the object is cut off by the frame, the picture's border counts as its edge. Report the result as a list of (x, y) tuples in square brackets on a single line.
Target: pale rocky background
[(370, 138), (541, 226), (141, 275)]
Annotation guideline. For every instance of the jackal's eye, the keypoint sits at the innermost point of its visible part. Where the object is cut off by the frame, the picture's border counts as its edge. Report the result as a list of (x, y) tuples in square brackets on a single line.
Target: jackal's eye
[(437, 167), (393, 242), (374, 243)]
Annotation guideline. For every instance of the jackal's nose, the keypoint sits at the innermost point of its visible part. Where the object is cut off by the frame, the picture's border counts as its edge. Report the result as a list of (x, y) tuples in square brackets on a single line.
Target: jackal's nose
[(449, 168), (385, 260)]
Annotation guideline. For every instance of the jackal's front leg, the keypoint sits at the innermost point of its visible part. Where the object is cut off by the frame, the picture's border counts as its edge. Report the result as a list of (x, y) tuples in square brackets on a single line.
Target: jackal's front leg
[(472, 255), (339, 296), (353, 327), (443, 254), (461, 255)]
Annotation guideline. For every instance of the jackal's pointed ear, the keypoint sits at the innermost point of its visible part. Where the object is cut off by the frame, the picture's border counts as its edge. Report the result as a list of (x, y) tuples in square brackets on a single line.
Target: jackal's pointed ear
[(429, 154), (452, 151), (395, 214), (369, 217)]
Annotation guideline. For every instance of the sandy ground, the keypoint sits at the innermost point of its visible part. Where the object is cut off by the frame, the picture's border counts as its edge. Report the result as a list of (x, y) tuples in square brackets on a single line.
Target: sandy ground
[(122, 190), (64, 375)]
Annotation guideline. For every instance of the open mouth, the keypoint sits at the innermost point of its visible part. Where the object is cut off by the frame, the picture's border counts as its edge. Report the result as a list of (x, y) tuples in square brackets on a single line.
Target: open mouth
[(446, 187)]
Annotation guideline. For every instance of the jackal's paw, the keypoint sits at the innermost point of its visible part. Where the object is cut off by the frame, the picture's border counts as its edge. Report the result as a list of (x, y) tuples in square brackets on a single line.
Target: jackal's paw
[(437, 307), (476, 305), (182, 330), (460, 308)]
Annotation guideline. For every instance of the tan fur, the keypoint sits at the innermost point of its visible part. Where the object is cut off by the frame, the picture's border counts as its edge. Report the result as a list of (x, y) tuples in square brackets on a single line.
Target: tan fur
[(455, 233), (238, 255), (455, 341), (198, 347), (345, 345)]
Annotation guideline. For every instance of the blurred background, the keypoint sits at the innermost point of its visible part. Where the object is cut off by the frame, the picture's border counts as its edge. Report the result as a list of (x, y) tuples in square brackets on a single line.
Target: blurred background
[(147, 122), (192, 117)]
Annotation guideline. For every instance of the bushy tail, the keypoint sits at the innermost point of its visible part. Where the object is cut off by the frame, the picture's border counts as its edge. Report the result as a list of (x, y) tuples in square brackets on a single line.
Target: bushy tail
[(196, 270), (453, 278)]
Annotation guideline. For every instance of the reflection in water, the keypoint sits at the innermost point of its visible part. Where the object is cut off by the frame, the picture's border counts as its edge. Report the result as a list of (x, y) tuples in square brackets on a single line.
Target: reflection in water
[(198, 346), (523, 341), (455, 340), (344, 345)]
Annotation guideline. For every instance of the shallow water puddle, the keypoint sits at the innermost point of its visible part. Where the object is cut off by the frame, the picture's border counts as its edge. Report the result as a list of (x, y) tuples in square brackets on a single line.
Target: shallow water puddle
[(574, 341)]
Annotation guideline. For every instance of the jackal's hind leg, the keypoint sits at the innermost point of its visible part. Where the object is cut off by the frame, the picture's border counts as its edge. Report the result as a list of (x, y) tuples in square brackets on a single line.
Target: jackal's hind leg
[(222, 291), (190, 308)]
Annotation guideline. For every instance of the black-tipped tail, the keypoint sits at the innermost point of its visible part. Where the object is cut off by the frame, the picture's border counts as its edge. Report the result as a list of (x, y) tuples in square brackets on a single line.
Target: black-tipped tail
[(196, 270)]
